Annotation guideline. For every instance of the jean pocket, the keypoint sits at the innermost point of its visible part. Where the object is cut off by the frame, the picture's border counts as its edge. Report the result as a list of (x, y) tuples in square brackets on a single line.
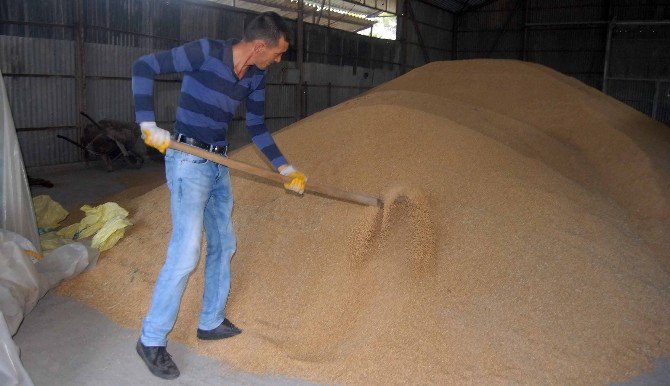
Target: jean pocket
[(185, 157)]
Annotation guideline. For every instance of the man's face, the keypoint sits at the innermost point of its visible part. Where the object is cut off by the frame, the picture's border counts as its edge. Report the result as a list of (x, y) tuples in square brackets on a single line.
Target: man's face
[(267, 55)]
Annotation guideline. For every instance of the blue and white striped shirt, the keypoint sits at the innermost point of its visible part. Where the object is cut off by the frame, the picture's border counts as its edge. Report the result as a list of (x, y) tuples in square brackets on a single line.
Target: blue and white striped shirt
[(210, 93)]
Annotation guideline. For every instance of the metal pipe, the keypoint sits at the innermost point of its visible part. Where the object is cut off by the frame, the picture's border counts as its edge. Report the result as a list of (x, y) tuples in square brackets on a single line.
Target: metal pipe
[(403, 38), (608, 47), (599, 22), (300, 60), (80, 71), (424, 50), (644, 22), (524, 42), (567, 23), (454, 38), (657, 93)]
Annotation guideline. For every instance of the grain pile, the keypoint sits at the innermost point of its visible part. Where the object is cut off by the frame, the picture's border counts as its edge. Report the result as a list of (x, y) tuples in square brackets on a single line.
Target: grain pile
[(527, 240)]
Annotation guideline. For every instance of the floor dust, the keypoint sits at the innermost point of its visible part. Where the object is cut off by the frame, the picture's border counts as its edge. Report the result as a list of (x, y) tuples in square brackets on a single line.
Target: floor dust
[(524, 239)]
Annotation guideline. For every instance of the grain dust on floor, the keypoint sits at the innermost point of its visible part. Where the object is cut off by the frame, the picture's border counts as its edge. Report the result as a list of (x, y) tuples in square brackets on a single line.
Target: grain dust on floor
[(525, 239)]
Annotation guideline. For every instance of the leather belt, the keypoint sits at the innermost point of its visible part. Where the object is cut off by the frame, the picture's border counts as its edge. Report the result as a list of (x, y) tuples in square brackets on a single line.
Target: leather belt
[(203, 145)]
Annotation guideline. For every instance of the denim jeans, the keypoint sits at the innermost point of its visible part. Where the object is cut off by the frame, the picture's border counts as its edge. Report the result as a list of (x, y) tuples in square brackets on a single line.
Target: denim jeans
[(200, 193)]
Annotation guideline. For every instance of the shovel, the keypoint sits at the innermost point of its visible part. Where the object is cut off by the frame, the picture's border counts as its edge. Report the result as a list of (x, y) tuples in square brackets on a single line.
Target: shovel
[(327, 190)]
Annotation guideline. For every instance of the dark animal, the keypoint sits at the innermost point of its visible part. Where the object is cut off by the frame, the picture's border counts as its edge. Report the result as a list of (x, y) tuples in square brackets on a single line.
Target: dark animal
[(110, 139)]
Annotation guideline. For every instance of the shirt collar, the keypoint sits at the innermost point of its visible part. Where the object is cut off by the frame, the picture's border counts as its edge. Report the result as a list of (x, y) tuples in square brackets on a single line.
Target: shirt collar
[(228, 52)]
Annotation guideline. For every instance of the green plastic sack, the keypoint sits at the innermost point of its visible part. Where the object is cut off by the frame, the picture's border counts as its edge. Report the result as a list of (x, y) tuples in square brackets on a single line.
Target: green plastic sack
[(110, 233), (48, 212)]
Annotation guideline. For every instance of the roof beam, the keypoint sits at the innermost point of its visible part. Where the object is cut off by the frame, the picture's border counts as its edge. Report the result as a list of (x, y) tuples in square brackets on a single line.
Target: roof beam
[(293, 7)]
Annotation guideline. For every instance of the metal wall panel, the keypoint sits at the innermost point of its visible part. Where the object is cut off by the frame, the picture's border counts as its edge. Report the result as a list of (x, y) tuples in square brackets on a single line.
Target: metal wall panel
[(342, 94), (111, 60), (278, 124), (487, 42), (637, 94), (568, 50), (552, 11), (166, 97), (573, 63), (491, 20), (280, 100), (663, 104), (435, 27), (432, 37), (41, 102), (425, 13), (641, 10), (21, 55), (52, 12), (317, 99), (41, 148), (111, 98), (640, 52)]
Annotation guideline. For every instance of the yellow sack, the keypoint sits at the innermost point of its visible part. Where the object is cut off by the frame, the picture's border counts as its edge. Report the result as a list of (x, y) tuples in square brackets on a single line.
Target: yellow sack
[(110, 233), (51, 240), (48, 212), (69, 231), (97, 217)]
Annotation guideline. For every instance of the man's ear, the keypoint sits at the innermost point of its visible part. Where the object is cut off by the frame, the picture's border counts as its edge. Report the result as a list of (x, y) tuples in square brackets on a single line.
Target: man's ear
[(258, 46)]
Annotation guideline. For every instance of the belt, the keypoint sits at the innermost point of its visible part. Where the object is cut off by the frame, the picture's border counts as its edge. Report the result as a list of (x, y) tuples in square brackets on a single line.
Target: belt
[(203, 145)]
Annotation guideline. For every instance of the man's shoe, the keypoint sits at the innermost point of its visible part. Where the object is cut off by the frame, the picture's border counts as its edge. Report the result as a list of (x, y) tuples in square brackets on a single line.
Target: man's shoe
[(225, 330), (158, 361)]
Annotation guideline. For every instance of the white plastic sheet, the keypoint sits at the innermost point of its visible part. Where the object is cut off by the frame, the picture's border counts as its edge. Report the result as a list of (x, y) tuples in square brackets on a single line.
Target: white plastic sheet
[(16, 205), (20, 284), (66, 262), (11, 370), (23, 283)]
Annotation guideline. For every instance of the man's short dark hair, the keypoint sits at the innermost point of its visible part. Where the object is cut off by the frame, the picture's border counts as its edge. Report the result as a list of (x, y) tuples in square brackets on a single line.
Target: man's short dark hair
[(268, 26)]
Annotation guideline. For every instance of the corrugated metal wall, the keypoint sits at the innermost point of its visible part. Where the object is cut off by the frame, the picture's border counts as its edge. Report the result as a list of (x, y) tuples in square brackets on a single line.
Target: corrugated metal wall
[(39, 54), (571, 36), (431, 26)]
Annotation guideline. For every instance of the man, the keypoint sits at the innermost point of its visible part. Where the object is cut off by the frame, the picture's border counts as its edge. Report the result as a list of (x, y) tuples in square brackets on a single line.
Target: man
[(218, 75)]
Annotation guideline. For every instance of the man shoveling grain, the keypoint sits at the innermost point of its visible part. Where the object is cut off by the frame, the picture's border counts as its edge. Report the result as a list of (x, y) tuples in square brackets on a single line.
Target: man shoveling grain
[(218, 75)]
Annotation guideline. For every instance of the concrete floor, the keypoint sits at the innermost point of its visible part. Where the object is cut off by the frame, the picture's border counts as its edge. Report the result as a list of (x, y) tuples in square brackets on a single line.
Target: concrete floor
[(64, 342)]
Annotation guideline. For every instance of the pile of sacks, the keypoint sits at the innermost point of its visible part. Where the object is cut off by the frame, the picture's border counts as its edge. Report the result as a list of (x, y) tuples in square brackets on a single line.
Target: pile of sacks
[(26, 274), (106, 223)]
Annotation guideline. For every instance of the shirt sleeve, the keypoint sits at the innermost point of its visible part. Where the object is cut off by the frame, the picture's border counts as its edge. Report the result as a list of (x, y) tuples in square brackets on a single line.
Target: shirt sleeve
[(256, 126), (189, 57)]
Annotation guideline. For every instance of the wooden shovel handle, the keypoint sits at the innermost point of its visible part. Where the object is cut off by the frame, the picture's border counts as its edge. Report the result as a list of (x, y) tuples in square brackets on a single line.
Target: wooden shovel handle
[(330, 191)]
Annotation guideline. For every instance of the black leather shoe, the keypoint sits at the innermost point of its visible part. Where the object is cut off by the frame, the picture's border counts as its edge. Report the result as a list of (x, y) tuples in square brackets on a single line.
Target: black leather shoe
[(158, 361), (225, 330)]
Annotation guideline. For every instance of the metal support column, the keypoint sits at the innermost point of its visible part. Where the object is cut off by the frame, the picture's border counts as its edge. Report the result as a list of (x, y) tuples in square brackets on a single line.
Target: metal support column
[(524, 43), (80, 74), (424, 50), (403, 38), (454, 38), (608, 47), (300, 50), (657, 94)]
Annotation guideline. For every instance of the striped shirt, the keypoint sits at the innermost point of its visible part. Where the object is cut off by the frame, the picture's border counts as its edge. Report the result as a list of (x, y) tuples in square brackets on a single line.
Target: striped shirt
[(210, 93)]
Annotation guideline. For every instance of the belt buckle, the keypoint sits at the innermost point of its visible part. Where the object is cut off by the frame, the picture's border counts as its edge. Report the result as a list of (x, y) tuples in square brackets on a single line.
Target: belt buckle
[(219, 149)]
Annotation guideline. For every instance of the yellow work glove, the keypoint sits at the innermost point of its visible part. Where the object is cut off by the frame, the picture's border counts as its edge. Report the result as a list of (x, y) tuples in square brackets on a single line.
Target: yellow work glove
[(297, 184), (154, 136)]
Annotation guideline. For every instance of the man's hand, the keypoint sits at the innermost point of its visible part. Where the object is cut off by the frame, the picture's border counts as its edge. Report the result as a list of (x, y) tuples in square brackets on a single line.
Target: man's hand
[(297, 184), (154, 136)]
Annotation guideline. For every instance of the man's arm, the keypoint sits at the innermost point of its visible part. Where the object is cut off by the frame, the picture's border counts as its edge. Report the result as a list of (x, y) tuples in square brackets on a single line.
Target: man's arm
[(257, 129), (264, 141), (188, 57)]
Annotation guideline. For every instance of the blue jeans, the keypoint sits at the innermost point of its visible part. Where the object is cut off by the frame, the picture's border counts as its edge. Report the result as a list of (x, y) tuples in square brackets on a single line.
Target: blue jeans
[(200, 193)]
